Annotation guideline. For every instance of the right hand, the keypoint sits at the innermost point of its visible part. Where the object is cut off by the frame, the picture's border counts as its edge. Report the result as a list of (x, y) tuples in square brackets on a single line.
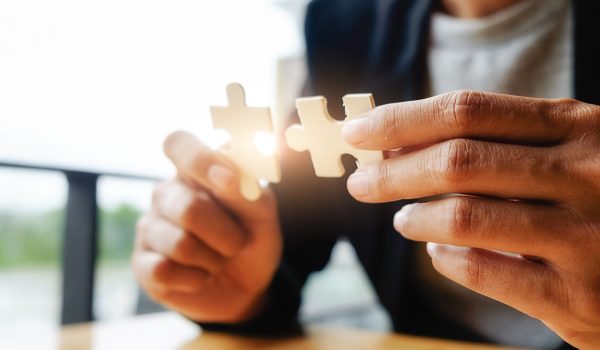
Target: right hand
[(203, 249)]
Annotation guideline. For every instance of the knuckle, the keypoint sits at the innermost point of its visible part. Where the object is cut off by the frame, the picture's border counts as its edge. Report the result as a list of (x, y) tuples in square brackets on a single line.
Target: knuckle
[(387, 121), (384, 180), (461, 219), (184, 247), (195, 204), (550, 290), (566, 114), (231, 245), (161, 271), (554, 166), (593, 111), (463, 108), (474, 270), (563, 107), (456, 161)]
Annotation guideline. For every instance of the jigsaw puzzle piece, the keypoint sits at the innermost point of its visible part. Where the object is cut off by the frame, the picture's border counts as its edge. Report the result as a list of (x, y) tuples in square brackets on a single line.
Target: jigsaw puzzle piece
[(355, 106), (250, 187), (243, 123), (317, 134), (321, 135)]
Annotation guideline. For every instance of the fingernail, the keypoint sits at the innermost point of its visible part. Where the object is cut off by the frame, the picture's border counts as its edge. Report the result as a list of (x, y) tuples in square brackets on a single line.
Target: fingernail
[(220, 176), (356, 130), (431, 247), (401, 218), (358, 184)]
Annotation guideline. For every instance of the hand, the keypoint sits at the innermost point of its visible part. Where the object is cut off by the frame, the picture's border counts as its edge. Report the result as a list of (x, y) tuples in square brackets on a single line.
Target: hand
[(204, 250), (525, 174)]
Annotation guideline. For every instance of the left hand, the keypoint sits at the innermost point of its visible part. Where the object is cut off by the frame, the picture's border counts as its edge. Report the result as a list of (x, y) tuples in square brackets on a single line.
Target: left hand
[(525, 179)]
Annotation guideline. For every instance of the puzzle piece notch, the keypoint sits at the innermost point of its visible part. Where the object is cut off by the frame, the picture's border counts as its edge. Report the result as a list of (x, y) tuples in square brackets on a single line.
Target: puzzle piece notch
[(321, 135), (242, 123), (356, 105)]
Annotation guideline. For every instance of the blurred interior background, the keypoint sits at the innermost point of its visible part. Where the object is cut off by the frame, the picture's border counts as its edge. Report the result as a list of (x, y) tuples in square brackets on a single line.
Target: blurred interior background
[(92, 88)]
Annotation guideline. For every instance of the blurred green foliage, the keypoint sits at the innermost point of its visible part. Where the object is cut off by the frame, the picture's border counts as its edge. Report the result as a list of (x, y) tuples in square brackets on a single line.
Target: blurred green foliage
[(117, 230), (35, 239)]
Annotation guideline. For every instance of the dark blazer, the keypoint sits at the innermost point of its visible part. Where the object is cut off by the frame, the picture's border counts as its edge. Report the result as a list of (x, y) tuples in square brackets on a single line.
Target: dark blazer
[(374, 46)]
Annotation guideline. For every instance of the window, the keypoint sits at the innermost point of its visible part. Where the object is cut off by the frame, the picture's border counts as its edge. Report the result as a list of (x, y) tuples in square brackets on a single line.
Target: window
[(31, 226), (121, 202)]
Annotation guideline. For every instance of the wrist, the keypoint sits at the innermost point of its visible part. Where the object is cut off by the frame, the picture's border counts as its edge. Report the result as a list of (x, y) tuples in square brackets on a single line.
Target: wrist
[(254, 308)]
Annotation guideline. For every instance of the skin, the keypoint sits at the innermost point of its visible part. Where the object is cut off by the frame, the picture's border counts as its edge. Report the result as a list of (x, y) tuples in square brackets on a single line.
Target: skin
[(474, 8), (528, 169), (203, 249), (518, 175)]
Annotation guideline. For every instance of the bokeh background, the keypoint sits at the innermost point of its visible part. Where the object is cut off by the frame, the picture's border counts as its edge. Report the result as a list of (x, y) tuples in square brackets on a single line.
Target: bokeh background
[(95, 87)]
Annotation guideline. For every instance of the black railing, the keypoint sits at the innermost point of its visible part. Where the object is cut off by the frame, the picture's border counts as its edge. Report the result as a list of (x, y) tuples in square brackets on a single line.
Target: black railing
[(80, 238)]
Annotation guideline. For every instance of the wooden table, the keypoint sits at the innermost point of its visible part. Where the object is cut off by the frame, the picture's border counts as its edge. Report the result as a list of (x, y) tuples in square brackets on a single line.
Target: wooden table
[(170, 331)]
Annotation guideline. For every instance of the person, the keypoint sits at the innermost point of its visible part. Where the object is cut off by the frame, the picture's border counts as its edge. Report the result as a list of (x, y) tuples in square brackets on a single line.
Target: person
[(506, 155)]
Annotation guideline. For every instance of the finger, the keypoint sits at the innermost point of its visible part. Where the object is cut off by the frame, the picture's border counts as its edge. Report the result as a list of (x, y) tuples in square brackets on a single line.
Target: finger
[(195, 307), (157, 272), (462, 114), (163, 237), (198, 213), (195, 160), (215, 173), (517, 227), (526, 285), (463, 166)]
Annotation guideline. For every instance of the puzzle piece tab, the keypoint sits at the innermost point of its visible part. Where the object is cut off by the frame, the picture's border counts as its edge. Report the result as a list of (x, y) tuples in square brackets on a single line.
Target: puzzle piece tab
[(321, 135), (242, 123)]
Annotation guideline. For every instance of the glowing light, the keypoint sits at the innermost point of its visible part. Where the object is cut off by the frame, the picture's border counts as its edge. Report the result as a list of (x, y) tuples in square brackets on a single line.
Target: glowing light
[(217, 139), (263, 183), (265, 143)]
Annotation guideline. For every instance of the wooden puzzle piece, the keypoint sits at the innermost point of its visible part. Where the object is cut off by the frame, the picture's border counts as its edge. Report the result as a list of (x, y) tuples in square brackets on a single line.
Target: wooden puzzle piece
[(321, 135), (243, 123)]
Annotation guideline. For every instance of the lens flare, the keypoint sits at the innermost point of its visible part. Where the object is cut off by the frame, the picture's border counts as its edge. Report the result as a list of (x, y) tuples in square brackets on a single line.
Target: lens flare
[(217, 139), (265, 143)]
